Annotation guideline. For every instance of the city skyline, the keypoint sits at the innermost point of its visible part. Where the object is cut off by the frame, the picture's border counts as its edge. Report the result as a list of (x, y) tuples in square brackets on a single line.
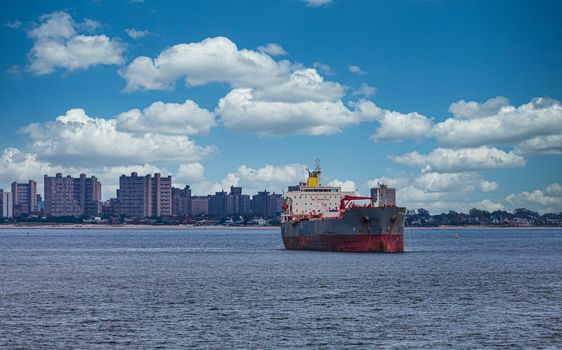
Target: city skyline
[(461, 112)]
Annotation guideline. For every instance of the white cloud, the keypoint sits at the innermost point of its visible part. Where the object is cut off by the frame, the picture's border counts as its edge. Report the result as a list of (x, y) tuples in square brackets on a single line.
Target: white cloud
[(443, 159), (356, 70), (269, 177), (488, 186), (540, 117), (554, 190), (549, 200), (317, 3), (190, 173), (488, 205), (272, 49), (396, 126), (241, 110), (473, 110), (136, 34), (212, 60), (56, 44), (346, 185), (402, 180), (365, 90), (76, 138), (447, 182), (13, 24), (168, 118), (17, 165), (303, 85), (540, 145)]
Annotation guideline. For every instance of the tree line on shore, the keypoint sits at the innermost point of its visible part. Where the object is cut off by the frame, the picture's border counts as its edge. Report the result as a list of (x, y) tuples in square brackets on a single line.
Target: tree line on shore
[(519, 217)]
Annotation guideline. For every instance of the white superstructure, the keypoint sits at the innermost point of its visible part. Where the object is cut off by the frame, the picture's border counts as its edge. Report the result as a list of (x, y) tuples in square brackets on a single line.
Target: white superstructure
[(318, 201), (311, 200)]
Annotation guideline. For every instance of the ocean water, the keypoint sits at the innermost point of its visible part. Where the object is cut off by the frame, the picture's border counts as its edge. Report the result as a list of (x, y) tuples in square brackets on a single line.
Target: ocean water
[(238, 289)]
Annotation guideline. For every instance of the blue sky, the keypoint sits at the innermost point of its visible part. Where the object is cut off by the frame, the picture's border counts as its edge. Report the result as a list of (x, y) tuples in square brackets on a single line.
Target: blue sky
[(456, 103)]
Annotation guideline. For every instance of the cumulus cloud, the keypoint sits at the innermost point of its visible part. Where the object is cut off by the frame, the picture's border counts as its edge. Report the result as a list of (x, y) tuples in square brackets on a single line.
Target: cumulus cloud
[(241, 110), (548, 200), (76, 138), (488, 186), (302, 85), (541, 145), (136, 34), (190, 173), (509, 125), (346, 185), (356, 70), (473, 110), (399, 181), (269, 177), (365, 90), (317, 3), (272, 49), (395, 126), (269, 98), (18, 165), (56, 44), (212, 60), (488, 205), (168, 118), (554, 190), (464, 159), (447, 182)]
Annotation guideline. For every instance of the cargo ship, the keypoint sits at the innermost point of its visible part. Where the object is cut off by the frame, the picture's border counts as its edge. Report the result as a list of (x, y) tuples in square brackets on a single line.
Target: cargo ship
[(325, 218)]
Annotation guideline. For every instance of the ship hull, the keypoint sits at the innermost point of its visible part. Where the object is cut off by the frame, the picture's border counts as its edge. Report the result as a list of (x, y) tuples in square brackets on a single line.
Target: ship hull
[(374, 230)]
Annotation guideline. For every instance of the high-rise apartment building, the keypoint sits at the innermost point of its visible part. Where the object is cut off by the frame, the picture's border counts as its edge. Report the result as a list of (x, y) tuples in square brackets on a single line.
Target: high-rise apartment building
[(24, 198), (259, 203), (274, 203), (6, 204), (181, 201), (241, 201), (267, 204), (68, 196), (221, 204), (144, 196)]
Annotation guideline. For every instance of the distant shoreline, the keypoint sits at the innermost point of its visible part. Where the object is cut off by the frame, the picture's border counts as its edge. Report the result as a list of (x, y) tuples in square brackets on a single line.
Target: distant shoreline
[(469, 227), (133, 227), (264, 228)]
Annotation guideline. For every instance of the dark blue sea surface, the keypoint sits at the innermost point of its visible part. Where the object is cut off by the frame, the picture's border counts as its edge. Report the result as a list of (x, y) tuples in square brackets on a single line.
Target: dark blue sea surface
[(225, 289)]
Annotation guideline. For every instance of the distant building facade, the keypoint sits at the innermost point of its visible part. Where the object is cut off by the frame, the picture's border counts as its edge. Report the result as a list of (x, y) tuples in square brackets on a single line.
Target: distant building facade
[(181, 201), (69, 196), (267, 204), (274, 203), (199, 205), (241, 201), (221, 205), (6, 205), (384, 196), (144, 196), (24, 198)]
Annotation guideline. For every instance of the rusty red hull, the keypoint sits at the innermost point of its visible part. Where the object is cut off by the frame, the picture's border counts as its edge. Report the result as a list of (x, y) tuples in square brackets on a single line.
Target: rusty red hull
[(369, 243)]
